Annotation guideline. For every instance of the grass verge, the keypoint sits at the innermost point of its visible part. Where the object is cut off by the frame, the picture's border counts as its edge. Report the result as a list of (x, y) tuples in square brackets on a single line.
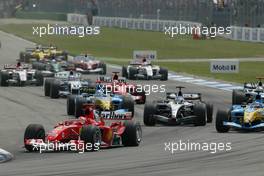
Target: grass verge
[(119, 43)]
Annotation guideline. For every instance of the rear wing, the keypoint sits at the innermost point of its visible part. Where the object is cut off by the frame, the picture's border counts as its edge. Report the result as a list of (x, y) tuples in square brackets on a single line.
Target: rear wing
[(116, 115), (186, 96), (15, 66)]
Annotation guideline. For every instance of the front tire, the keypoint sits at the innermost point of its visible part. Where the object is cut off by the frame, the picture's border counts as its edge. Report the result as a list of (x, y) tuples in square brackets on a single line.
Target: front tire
[(79, 101), (33, 131), (221, 117), (71, 104), (132, 135), (91, 135)]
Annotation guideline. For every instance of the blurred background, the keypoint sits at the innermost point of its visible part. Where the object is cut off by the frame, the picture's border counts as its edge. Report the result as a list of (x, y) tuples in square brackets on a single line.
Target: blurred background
[(218, 12)]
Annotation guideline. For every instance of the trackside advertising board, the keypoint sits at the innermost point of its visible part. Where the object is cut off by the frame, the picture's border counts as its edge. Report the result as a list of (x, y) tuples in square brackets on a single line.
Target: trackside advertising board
[(224, 66), (147, 54)]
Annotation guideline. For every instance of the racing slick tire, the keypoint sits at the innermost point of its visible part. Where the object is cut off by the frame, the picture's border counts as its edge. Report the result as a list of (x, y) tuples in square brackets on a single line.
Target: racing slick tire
[(91, 135), (132, 72), (65, 55), (222, 116), (79, 101), (238, 97), (209, 112), (47, 85), (129, 103), (39, 78), (54, 89), (132, 135), (35, 65), (4, 76), (22, 56), (164, 74), (149, 111), (200, 113), (71, 104), (103, 66), (143, 99), (124, 72), (33, 131)]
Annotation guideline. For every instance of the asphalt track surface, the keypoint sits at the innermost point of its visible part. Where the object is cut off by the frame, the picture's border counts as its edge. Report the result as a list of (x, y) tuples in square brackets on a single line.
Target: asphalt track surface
[(20, 106)]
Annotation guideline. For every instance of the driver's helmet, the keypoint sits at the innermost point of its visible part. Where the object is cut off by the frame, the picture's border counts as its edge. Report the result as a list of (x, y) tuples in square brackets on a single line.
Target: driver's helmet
[(18, 65), (115, 77), (179, 99), (257, 105), (144, 61), (71, 78)]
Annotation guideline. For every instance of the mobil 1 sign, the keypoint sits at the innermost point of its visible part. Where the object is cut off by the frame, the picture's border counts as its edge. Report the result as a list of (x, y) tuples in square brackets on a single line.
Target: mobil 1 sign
[(224, 66)]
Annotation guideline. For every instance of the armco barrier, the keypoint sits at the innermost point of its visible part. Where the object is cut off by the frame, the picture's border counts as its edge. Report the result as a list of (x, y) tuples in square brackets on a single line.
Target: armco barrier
[(238, 33), (129, 23)]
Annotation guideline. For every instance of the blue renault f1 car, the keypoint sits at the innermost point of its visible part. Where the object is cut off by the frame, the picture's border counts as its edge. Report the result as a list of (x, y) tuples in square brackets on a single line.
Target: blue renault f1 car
[(242, 117), (102, 101)]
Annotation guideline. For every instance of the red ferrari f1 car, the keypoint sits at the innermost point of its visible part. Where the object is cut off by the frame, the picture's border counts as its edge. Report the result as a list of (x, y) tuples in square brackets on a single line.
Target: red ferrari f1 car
[(87, 133)]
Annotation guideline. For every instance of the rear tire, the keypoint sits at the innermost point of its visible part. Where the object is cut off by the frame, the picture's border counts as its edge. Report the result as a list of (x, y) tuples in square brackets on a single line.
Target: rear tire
[(47, 84), (103, 66), (143, 95), (124, 72), (71, 104), (129, 103), (54, 89), (164, 74), (132, 135), (222, 116), (238, 97), (33, 131), (210, 110), (132, 72), (200, 113), (148, 117), (4, 76), (91, 135), (39, 78)]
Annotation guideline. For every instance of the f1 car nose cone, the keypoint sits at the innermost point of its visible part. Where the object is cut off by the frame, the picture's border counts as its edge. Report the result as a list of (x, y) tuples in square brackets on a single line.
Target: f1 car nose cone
[(5, 156)]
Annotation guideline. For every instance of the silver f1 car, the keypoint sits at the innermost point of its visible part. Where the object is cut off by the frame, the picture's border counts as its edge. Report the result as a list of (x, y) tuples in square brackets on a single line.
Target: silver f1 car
[(177, 109), (247, 94), (144, 70), (18, 75), (67, 83)]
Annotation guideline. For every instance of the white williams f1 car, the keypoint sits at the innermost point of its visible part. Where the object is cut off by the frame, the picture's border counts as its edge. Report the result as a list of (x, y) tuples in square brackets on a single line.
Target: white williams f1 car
[(67, 83), (178, 109), (144, 70), (18, 75)]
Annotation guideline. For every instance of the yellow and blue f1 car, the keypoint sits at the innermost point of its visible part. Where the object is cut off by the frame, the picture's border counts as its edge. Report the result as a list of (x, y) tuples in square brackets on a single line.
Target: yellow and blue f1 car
[(242, 117)]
